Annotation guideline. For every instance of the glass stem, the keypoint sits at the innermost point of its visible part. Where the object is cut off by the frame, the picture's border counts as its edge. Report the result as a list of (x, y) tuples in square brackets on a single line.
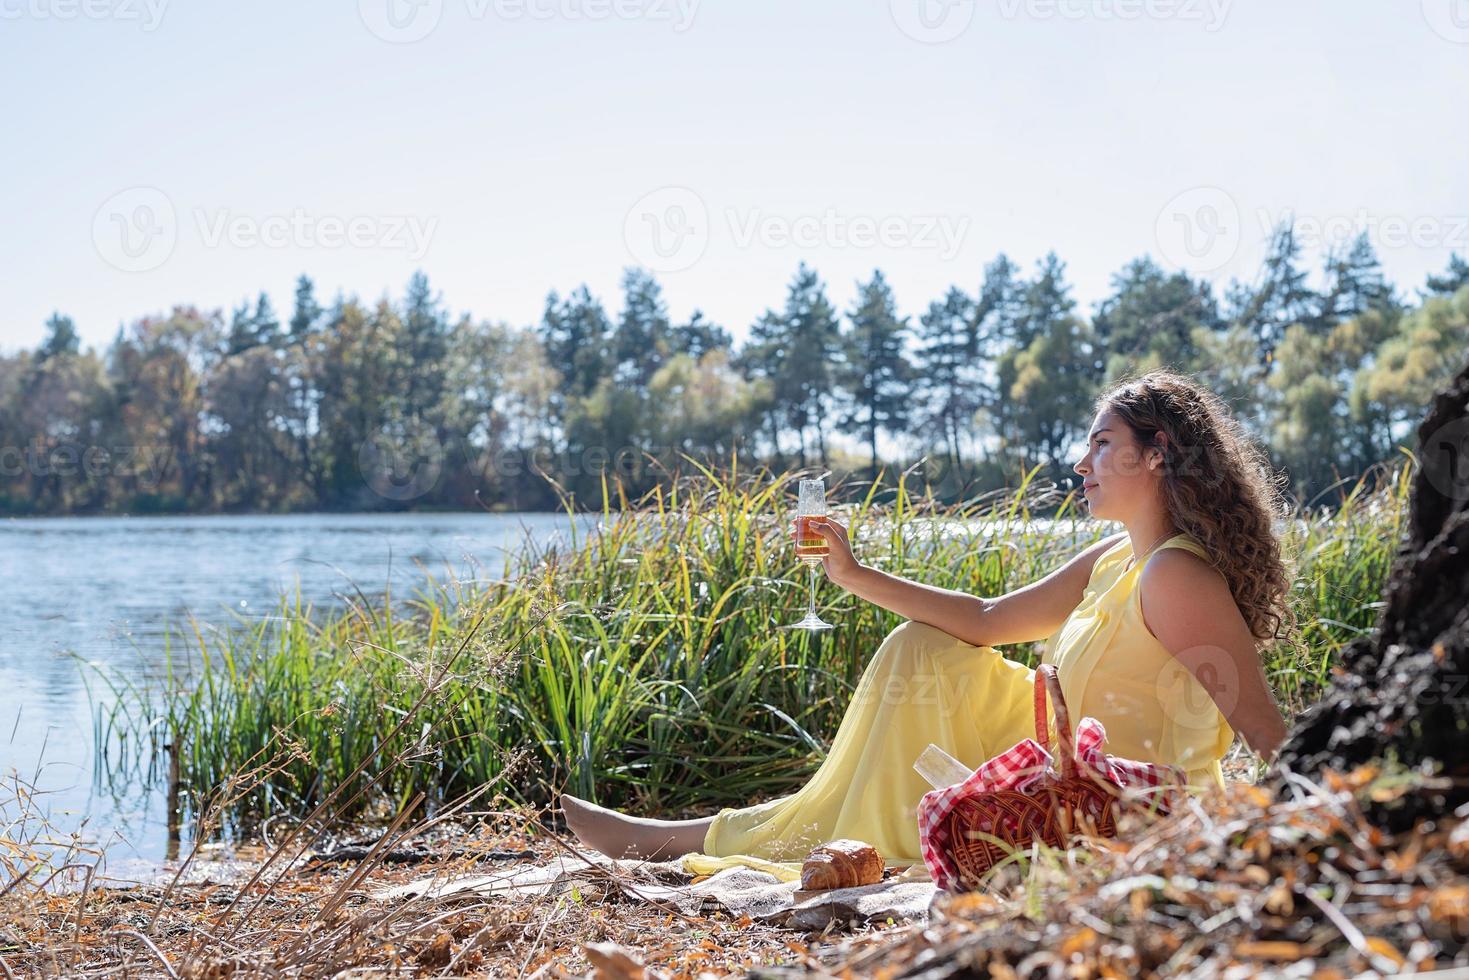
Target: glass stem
[(811, 604)]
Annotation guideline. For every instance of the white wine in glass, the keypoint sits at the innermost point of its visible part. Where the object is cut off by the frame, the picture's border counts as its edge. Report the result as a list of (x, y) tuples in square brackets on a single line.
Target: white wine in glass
[(811, 547)]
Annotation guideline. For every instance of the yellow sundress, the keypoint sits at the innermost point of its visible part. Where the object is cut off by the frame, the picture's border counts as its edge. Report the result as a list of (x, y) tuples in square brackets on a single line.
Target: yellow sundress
[(923, 686)]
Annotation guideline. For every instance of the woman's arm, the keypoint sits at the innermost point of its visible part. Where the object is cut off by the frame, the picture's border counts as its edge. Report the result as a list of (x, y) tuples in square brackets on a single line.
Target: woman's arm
[(1188, 606), (957, 613), (1033, 612)]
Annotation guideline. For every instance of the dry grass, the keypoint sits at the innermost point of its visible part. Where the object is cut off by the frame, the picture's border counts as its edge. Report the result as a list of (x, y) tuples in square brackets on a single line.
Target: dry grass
[(320, 919), (1238, 882)]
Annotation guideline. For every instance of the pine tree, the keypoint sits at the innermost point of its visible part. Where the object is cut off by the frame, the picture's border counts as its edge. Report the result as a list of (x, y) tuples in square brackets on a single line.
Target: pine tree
[(1150, 319), (267, 324), (1024, 313), (61, 338), (576, 333), (797, 352), (308, 311), (1279, 298), (643, 341), (1055, 381), (991, 331), (1044, 301), (1453, 279), (998, 308), (1355, 284), (252, 328), (761, 361), (877, 372), (816, 350), (700, 336), (425, 348), (949, 390)]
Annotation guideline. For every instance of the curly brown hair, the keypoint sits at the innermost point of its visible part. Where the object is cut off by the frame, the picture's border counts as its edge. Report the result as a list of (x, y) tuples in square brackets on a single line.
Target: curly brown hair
[(1217, 485)]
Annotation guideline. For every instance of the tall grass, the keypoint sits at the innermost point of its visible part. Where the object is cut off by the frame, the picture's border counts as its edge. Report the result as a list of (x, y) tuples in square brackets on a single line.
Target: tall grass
[(643, 664)]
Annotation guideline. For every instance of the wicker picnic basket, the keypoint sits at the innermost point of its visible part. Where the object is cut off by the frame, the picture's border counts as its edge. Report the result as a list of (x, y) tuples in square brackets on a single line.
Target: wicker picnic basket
[(984, 828)]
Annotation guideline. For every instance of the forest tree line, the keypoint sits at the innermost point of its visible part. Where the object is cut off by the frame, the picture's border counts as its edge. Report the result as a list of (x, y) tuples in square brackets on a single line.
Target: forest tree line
[(352, 405)]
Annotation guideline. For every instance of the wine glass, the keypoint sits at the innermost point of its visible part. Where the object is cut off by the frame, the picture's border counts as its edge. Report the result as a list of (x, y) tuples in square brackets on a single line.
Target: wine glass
[(811, 547)]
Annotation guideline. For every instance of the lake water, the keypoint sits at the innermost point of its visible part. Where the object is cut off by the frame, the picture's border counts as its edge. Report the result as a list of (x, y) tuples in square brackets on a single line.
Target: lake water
[(106, 591)]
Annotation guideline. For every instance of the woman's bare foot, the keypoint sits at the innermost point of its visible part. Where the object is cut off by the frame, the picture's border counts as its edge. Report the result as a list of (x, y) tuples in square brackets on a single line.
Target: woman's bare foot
[(618, 835)]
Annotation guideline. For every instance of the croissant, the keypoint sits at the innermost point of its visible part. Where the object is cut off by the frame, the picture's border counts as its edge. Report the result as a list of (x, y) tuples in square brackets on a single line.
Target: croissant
[(841, 864)]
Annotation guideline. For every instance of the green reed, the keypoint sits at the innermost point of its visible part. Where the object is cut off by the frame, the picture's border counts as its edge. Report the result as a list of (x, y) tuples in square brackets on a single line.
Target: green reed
[(643, 664)]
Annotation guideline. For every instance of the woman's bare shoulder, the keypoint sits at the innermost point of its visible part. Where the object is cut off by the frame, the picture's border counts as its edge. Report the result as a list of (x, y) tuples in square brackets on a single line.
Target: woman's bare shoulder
[(1178, 583)]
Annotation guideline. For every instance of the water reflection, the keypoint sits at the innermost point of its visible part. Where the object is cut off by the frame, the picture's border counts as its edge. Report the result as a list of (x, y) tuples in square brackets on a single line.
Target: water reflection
[(117, 592)]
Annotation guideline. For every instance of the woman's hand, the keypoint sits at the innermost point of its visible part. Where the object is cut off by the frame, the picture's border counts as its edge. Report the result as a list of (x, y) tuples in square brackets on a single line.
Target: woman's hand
[(839, 562)]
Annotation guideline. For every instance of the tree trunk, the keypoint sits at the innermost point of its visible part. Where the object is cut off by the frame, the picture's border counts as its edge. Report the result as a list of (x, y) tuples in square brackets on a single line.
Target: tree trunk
[(1404, 689)]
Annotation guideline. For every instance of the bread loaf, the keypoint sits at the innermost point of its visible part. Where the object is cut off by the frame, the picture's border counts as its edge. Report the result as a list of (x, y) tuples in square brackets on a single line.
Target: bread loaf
[(841, 864)]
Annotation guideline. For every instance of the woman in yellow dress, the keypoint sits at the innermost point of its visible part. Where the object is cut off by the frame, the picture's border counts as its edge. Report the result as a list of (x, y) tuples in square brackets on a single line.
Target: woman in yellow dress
[(1155, 631)]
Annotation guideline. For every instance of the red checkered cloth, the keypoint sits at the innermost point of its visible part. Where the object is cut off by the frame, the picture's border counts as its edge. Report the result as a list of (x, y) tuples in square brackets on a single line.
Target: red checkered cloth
[(1024, 767)]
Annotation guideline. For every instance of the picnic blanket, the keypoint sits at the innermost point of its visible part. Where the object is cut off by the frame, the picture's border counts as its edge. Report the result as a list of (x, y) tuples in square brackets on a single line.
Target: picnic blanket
[(769, 895)]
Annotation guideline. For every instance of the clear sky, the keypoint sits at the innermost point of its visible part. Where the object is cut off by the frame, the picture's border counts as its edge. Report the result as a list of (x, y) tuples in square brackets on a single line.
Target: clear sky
[(159, 152)]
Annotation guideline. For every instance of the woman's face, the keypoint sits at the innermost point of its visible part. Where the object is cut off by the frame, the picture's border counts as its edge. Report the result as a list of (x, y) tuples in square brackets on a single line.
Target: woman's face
[(1117, 480)]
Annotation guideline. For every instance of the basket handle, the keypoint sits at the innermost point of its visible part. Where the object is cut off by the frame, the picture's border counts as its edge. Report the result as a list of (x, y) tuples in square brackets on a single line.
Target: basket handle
[(1046, 676)]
